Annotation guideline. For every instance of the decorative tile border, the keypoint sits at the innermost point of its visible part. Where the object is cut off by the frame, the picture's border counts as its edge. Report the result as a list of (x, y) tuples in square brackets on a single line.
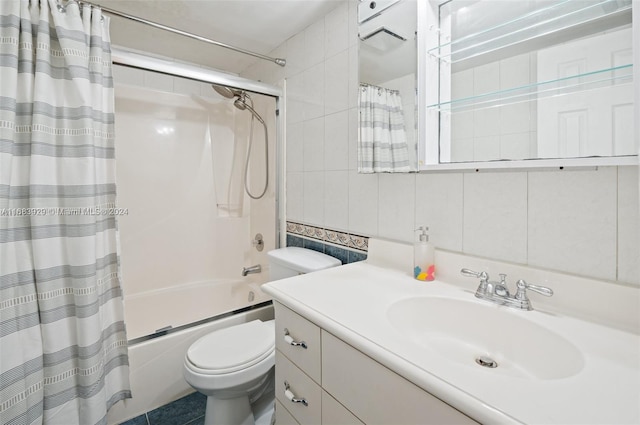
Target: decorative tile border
[(360, 243)]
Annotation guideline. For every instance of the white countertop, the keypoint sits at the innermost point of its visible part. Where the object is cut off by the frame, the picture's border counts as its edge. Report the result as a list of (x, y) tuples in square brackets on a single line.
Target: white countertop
[(351, 302)]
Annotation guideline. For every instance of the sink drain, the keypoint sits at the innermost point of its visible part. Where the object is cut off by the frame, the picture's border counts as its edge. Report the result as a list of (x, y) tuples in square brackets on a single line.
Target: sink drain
[(485, 361)]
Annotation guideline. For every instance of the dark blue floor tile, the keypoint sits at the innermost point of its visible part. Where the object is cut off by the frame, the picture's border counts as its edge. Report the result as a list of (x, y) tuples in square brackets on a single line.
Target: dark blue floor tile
[(295, 241), (356, 256), (196, 421), (179, 412), (138, 420), (339, 253)]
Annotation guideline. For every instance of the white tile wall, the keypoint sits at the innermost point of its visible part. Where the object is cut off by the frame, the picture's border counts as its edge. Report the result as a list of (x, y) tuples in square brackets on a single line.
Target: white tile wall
[(396, 214), (439, 200), (495, 215), (583, 222), (572, 221)]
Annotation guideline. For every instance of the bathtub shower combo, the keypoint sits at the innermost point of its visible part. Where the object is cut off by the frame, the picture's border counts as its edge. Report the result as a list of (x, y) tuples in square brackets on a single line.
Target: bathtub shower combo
[(198, 189)]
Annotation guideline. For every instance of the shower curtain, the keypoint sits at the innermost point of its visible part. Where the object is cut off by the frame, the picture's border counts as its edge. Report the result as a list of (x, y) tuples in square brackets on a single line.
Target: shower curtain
[(63, 346), (382, 146)]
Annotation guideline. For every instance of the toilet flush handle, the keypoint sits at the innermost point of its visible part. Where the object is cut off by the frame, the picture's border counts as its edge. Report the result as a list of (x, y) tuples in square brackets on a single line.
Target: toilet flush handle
[(289, 340)]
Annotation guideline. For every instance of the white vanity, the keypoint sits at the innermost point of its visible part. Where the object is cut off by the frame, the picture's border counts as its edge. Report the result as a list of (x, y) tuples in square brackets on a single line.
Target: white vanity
[(366, 343)]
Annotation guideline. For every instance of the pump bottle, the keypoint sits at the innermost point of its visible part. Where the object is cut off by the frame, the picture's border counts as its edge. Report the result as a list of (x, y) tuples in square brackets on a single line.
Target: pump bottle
[(423, 257)]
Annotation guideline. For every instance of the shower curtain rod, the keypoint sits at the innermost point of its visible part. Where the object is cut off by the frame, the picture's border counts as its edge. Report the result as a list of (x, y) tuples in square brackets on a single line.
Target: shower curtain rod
[(278, 61)]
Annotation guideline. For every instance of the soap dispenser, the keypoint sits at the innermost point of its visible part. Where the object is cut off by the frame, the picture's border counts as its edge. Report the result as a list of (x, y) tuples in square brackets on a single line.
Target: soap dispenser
[(423, 257)]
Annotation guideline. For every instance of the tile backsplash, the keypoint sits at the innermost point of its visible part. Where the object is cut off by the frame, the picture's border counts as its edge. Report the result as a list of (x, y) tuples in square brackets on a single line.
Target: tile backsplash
[(584, 222)]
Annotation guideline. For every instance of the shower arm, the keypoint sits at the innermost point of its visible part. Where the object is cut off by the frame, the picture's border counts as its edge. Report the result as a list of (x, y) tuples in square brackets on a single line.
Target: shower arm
[(278, 61)]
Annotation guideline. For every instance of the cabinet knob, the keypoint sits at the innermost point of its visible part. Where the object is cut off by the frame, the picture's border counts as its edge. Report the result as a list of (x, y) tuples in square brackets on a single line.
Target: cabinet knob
[(289, 340)]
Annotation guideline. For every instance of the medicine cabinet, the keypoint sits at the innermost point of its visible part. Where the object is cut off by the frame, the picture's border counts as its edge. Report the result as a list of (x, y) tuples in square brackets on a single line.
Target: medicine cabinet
[(527, 83)]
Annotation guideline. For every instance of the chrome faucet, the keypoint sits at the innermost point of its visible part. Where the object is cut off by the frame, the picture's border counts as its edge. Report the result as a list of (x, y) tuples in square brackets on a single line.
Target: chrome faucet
[(498, 292), (251, 270)]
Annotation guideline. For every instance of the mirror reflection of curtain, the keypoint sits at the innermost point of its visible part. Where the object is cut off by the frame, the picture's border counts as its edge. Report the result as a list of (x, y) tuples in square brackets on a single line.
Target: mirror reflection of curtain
[(382, 146)]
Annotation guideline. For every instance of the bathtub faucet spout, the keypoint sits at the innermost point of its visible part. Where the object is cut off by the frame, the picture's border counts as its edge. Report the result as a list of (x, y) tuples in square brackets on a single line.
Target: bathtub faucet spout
[(251, 270)]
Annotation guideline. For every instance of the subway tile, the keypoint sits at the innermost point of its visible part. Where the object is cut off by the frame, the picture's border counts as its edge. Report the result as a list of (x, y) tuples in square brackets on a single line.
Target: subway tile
[(495, 215), (138, 420), (572, 221), (180, 411)]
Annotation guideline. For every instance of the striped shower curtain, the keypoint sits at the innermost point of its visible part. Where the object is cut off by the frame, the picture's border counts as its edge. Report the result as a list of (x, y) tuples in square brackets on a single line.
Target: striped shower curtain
[(63, 350), (382, 145)]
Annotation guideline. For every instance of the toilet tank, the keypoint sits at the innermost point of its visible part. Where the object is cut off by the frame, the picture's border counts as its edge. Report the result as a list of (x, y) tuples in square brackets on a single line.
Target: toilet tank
[(292, 261)]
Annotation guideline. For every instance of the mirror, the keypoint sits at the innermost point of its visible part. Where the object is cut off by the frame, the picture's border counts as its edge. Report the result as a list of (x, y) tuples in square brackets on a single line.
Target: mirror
[(533, 79), (388, 136)]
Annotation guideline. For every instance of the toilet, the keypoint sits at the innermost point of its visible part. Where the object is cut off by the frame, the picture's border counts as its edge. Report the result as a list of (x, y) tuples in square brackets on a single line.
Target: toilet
[(234, 366)]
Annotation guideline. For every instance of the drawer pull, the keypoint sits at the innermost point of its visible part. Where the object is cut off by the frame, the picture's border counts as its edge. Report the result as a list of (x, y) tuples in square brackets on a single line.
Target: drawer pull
[(291, 396), (289, 340)]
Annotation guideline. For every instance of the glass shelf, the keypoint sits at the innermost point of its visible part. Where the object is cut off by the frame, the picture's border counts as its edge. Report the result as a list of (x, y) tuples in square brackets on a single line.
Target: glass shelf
[(604, 78), (577, 18)]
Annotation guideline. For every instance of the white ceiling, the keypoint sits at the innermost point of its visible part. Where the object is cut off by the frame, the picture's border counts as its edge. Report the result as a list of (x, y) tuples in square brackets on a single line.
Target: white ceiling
[(256, 25)]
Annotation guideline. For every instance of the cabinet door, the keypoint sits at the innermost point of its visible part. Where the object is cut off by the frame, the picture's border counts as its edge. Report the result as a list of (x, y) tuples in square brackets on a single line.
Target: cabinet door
[(334, 413), (299, 329), (375, 394)]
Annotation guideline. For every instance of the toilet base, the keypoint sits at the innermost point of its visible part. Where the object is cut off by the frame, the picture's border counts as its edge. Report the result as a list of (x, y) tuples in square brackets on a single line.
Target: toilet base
[(230, 411)]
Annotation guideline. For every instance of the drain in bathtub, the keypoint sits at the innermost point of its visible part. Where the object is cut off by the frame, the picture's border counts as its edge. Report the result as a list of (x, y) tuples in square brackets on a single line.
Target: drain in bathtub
[(485, 361)]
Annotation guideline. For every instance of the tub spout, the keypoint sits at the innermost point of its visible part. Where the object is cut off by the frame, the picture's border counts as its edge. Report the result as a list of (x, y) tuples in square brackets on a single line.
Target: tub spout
[(251, 270)]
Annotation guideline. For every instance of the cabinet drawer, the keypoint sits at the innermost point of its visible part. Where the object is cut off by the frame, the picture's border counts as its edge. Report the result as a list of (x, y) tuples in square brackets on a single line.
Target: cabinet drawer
[(376, 394), (300, 330), (302, 387), (334, 413), (283, 417)]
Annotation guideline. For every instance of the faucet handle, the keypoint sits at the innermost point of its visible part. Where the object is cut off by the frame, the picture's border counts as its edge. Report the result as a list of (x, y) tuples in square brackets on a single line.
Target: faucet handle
[(522, 286), (471, 273)]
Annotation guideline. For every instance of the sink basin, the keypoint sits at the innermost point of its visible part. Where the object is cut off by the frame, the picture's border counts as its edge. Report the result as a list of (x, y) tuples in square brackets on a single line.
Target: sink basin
[(474, 334)]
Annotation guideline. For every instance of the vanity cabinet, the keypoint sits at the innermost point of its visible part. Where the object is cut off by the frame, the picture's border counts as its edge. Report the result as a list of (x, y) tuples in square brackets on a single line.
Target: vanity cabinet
[(351, 387)]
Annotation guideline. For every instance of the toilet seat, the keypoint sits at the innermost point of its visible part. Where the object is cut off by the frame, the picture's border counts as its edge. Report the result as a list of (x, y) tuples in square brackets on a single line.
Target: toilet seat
[(232, 349)]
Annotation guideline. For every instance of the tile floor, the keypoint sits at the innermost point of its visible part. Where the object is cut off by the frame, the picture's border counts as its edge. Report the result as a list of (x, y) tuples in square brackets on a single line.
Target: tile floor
[(187, 410)]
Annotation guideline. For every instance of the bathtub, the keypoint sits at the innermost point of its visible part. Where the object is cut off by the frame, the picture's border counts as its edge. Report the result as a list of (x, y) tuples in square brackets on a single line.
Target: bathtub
[(167, 310), (156, 358)]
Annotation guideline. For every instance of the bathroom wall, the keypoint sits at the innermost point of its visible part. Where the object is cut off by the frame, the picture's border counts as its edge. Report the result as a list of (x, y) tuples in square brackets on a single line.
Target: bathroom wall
[(584, 222)]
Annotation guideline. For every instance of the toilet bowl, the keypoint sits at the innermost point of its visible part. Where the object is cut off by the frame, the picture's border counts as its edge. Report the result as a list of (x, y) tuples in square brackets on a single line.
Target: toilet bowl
[(232, 367)]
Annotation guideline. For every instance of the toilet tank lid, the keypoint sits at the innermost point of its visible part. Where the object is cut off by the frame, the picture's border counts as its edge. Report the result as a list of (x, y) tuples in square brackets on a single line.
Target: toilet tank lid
[(302, 259)]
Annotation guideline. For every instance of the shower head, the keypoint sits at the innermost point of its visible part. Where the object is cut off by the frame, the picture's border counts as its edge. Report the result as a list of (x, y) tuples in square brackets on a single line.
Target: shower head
[(240, 104), (227, 92)]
